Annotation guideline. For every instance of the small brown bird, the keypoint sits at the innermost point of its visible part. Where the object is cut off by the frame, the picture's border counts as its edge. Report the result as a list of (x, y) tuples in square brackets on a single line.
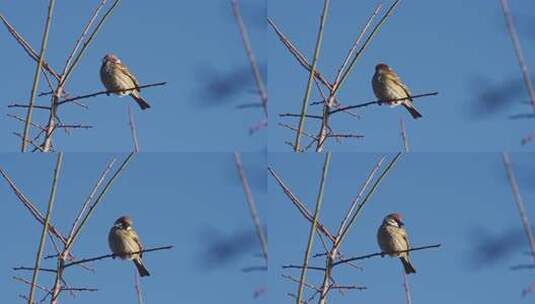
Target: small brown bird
[(123, 241), (392, 238), (388, 86), (115, 76)]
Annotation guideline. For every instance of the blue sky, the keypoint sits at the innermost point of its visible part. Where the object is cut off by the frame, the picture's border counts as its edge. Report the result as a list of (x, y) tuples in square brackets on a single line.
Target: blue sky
[(190, 47), (459, 48), (191, 201), (445, 198)]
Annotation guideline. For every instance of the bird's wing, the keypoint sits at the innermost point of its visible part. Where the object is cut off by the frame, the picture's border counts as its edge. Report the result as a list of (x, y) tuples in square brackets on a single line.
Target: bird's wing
[(136, 239), (395, 78), (406, 239), (125, 71)]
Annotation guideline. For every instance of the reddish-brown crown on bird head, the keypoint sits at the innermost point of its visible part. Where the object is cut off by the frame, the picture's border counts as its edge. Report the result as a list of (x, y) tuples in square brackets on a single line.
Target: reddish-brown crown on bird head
[(381, 67), (124, 221), (396, 217), (110, 57)]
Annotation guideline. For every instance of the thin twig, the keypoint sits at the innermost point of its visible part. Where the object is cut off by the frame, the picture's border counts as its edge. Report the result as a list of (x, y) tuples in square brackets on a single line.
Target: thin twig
[(297, 146), (518, 50), (72, 66), (33, 268), (107, 92), (298, 55), (297, 281), (88, 200), (133, 130), (299, 115), (382, 254), (379, 102), (359, 195), (519, 201), (313, 226), (31, 142), (357, 41), (345, 230), (262, 92), (85, 30), (79, 289), (346, 73), (28, 48), (22, 120), (295, 129), (31, 207), (39, 254), (406, 288), (404, 136), (113, 256), (339, 136), (301, 267), (30, 284), (252, 207), (74, 235), (36, 78), (254, 268), (15, 105), (299, 205), (137, 286)]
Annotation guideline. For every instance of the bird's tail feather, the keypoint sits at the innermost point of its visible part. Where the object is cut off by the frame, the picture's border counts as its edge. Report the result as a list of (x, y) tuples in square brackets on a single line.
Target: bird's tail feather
[(407, 265), (414, 113), (143, 272), (141, 102)]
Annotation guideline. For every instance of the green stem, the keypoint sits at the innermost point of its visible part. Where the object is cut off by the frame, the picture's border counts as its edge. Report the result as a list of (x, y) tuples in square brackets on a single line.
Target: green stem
[(51, 200), (312, 231), (37, 76), (297, 146)]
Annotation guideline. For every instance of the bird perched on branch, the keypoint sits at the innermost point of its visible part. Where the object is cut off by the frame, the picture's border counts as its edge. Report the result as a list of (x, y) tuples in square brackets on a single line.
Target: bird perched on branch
[(116, 77), (392, 238), (387, 86), (123, 241)]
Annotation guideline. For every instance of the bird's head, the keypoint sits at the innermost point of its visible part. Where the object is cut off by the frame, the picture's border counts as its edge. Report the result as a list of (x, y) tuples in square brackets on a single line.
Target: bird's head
[(111, 58), (381, 67), (393, 219), (123, 222)]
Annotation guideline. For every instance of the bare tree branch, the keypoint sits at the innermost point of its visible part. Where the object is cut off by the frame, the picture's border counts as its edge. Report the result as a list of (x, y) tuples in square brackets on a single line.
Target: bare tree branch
[(382, 254), (108, 92), (313, 226), (114, 256), (252, 207), (518, 50), (262, 92), (42, 240), (35, 85), (519, 203)]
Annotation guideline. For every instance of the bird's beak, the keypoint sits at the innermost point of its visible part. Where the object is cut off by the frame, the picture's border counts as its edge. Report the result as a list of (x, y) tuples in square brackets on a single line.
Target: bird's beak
[(401, 224)]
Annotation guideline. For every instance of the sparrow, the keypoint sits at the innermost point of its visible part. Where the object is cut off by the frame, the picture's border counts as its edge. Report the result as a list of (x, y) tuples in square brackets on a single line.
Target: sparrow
[(388, 86), (392, 238), (115, 76), (123, 240)]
